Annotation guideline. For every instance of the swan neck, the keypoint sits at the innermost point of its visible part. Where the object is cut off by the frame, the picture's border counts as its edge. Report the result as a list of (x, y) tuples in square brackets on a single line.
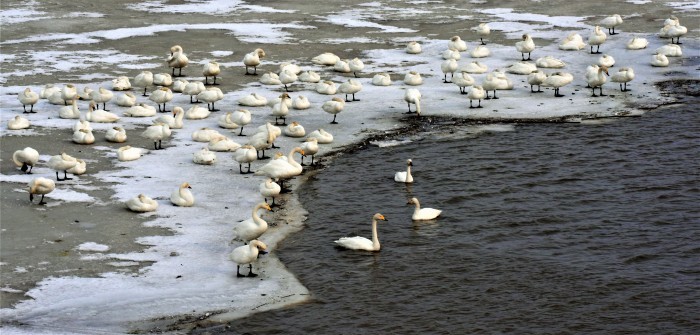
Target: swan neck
[(375, 238), (256, 217)]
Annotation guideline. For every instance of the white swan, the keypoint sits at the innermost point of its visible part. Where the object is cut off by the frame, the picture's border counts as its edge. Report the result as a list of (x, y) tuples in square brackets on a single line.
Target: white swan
[(27, 97), (537, 77), (144, 79), (659, 60), (281, 169), (475, 67), (550, 62), (611, 22), (572, 42), (381, 79), (480, 52), (351, 86), (116, 135), (496, 80), (334, 106), (182, 196), (126, 99), (558, 80), (456, 43), (245, 155), (310, 148), (62, 162), (451, 54), (412, 78), (326, 87), (101, 95), (301, 102), (623, 76), (17, 123), (82, 124), (157, 133), (204, 157), (521, 68), (223, 143), (121, 83), (476, 93), (413, 47), (294, 129), (85, 94), (356, 65), (253, 227), (597, 38), (211, 69), (204, 134), (197, 113), (423, 213), (129, 153), (83, 136), (413, 96), (177, 59), (526, 46), (342, 66), (263, 139), (598, 80), (226, 122), (670, 50), (48, 90), (162, 79), (270, 78), (252, 59), (141, 204), (40, 185), (606, 60), (192, 89), (241, 117), (26, 159), (673, 30), (140, 110), (362, 243), (253, 100), (56, 98), (448, 66), (269, 189), (79, 168), (463, 80), (68, 93), (280, 110), (99, 115), (291, 67), (173, 121), (247, 254), (309, 77), (179, 85), (483, 30), (161, 96), (405, 176), (211, 95), (322, 136), (637, 43), (287, 77), (70, 112), (326, 58)]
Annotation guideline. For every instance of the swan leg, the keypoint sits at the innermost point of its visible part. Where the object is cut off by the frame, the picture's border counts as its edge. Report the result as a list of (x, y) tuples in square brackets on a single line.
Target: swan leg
[(494, 94), (57, 178), (165, 110), (65, 175), (528, 56), (214, 83), (104, 107), (41, 202), (487, 96), (482, 40), (24, 168), (286, 88), (312, 160), (355, 73), (213, 109), (250, 271), (241, 132), (334, 122), (238, 271), (274, 146), (191, 100), (556, 93), (144, 91), (179, 73), (601, 92), (594, 95), (249, 168), (539, 89), (346, 98), (479, 106), (353, 98), (25, 108), (470, 104)]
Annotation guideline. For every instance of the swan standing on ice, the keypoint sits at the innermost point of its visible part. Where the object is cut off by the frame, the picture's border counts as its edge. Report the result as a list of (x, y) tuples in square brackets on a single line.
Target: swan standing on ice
[(557, 80), (413, 47), (126, 99), (496, 80), (17, 123), (351, 86), (193, 89), (210, 96), (182, 196), (483, 30), (211, 69), (270, 189), (287, 77), (41, 186), (526, 46), (141, 204), (27, 97), (116, 135), (241, 117), (597, 38), (413, 96), (26, 159), (68, 93), (310, 148), (673, 29), (476, 93), (448, 66), (356, 65), (177, 60), (333, 106), (536, 77), (405, 176), (280, 110), (253, 227), (99, 115), (610, 22), (157, 133), (173, 121), (83, 136), (423, 213), (161, 96), (204, 157), (362, 243), (623, 76), (245, 154), (247, 254), (62, 162), (252, 59), (282, 169), (598, 80), (101, 95), (144, 79), (381, 79)]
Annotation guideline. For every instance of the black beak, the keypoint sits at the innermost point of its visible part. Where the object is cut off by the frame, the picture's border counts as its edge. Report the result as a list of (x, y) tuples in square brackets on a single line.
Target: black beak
[(262, 252)]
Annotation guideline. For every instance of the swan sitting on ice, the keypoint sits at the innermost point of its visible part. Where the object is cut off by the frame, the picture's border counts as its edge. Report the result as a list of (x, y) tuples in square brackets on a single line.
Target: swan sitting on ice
[(162, 79), (573, 41), (26, 159), (100, 115), (637, 43), (362, 243), (253, 100), (521, 68), (116, 134), (294, 130), (182, 196), (247, 254), (223, 143), (550, 62), (129, 153), (659, 60), (670, 50), (413, 47), (423, 213), (173, 121), (480, 52), (474, 67), (121, 83), (197, 113), (413, 78), (405, 176), (270, 78), (179, 85), (27, 97), (140, 110), (204, 157), (126, 99), (326, 87), (253, 227), (17, 123), (301, 102), (322, 136), (456, 43), (141, 204), (309, 77), (606, 60), (326, 58), (41, 186), (381, 79), (204, 134)]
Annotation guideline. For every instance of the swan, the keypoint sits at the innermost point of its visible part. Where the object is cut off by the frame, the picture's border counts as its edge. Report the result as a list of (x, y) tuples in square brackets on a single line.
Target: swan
[(157, 132), (342, 66), (162, 79), (351, 86), (659, 60), (83, 136), (287, 77), (241, 117), (423, 213), (456, 43), (381, 79), (79, 168), (281, 169), (279, 99), (211, 69), (27, 97), (269, 189), (252, 59), (245, 154), (291, 67), (598, 80), (322, 136), (521, 68), (483, 30), (62, 162), (177, 59), (496, 80), (550, 62), (448, 66), (270, 78), (253, 100), (526, 46), (247, 254), (144, 79), (223, 143), (557, 80), (294, 130), (572, 42), (161, 96), (301, 102), (536, 77), (193, 89), (40, 185), (211, 95), (179, 85), (463, 80), (606, 60), (182, 197), (140, 110), (356, 65), (591, 71), (48, 90), (116, 135), (326, 87), (197, 113), (451, 54), (141, 204), (126, 99), (480, 52), (597, 38), (637, 43), (672, 20), (226, 122), (204, 157), (101, 95), (26, 159), (475, 67), (673, 31), (68, 93), (610, 22), (670, 50), (263, 139), (251, 228), (173, 121), (476, 93), (17, 123), (280, 110), (86, 94), (82, 124), (405, 176), (121, 83), (309, 77), (204, 134), (326, 58), (129, 153), (310, 148), (412, 96), (99, 115), (623, 76), (333, 106), (413, 47), (413, 78), (362, 243), (56, 98)]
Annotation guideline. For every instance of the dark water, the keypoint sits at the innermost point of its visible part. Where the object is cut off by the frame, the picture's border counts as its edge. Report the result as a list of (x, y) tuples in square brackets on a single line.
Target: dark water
[(547, 229)]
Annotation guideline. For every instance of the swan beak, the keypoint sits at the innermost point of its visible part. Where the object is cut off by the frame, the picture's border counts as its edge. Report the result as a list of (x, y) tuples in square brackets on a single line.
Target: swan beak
[(262, 252)]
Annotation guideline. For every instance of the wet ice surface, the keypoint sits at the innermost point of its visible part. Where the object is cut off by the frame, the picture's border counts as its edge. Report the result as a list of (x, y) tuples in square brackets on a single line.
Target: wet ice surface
[(191, 273)]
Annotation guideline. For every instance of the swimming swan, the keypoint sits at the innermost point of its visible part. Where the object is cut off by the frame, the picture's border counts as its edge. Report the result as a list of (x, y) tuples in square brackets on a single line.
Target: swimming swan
[(247, 254), (182, 196), (423, 213), (362, 243), (405, 176)]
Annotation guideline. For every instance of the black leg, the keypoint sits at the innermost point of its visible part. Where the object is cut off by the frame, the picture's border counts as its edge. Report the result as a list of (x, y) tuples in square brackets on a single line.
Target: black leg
[(601, 91), (479, 106), (494, 94), (248, 168), (65, 175), (144, 91), (334, 122), (25, 108), (470, 104), (58, 179), (241, 133), (482, 41), (214, 83), (250, 271), (41, 202), (353, 98), (238, 271)]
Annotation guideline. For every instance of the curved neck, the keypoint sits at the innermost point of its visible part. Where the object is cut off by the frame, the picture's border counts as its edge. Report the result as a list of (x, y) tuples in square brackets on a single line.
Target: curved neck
[(290, 157), (375, 238), (256, 217)]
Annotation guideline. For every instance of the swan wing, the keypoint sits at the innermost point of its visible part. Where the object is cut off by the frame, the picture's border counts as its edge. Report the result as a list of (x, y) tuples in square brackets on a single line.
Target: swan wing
[(400, 176), (426, 214), (355, 243)]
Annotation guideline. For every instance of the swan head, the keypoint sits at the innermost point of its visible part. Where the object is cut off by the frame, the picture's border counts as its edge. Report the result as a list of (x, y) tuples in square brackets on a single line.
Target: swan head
[(185, 185), (603, 68), (267, 207), (409, 162), (412, 201), (455, 38), (525, 36), (260, 52), (338, 100), (175, 48), (262, 248), (379, 217), (284, 96)]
